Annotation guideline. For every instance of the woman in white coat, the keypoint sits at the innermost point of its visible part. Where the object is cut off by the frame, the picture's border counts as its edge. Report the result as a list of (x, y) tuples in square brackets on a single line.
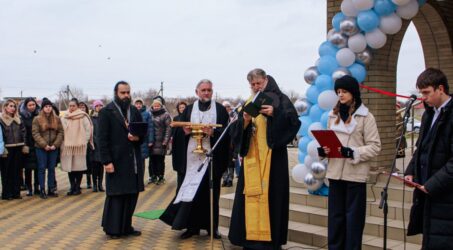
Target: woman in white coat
[(356, 129)]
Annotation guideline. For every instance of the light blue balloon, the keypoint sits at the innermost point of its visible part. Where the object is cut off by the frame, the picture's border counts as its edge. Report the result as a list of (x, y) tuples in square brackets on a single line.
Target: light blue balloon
[(325, 119), (384, 7), (327, 65), (301, 156), (368, 20), (303, 143), (305, 123), (336, 20), (358, 71), (421, 2), (315, 113), (327, 49), (324, 82), (312, 94)]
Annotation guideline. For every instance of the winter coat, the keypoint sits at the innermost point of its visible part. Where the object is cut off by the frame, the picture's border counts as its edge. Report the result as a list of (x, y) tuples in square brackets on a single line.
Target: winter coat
[(162, 131), (30, 159), (14, 132), (2, 143), (148, 118), (49, 136), (96, 153), (431, 214), (116, 148), (362, 136)]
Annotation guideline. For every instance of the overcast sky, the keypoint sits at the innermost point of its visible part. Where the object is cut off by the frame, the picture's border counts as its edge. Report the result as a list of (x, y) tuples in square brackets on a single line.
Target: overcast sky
[(92, 44)]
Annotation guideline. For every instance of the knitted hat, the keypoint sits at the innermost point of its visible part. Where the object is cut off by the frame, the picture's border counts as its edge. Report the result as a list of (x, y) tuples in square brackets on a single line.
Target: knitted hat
[(97, 103), (45, 102), (139, 100), (157, 101), (160, 98), (350, 84)]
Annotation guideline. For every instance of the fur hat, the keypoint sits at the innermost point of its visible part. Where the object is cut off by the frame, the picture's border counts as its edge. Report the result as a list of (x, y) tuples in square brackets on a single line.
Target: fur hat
[(46, 102), (350, 84)]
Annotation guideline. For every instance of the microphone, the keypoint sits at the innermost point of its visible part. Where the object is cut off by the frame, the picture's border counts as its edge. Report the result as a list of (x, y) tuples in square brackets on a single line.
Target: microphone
[(411, 101), (235, 109)]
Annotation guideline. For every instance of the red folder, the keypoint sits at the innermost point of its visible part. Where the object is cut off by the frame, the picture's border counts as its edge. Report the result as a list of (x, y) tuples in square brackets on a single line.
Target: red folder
[(328, 138), (408, 183)]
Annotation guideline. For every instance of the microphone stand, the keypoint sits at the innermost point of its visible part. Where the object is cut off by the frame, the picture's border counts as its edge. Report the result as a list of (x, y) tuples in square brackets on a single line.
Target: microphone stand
[(384, 194), (208, 160)]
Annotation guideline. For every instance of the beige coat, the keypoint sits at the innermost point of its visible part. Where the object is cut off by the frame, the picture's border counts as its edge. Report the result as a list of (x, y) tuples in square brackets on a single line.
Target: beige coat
[(75, 161), (362, 136)]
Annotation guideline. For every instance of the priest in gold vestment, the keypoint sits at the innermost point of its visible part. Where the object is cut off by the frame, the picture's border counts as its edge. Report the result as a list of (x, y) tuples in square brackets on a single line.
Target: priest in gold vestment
[(261, 206)]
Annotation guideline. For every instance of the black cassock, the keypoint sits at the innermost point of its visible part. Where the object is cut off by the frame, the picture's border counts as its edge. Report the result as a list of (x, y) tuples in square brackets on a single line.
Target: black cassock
[(196, 214), (122, 186), (281, 129), (179, 151)]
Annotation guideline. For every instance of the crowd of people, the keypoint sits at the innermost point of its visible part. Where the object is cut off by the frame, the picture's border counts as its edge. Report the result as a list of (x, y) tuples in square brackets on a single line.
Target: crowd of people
[(36, 138)]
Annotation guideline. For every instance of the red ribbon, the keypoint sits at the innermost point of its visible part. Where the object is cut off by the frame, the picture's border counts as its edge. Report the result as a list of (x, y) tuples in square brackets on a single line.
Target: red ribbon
[(380, 91)]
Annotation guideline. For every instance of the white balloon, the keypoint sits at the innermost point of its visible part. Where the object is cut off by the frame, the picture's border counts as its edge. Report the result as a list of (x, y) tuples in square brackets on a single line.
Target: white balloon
[(363, 4), (345, 57), (330, 33), (357, 43), (299, 172), (376, 39), (401, 2), (348, 8), (312, 148), (327, 99), (390, 24), (314, 126), (409, 10)]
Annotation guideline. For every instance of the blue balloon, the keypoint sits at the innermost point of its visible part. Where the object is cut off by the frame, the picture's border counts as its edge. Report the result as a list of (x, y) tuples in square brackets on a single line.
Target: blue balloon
[(327, 65), (336, 20), (303, 143), (312, 94), (324, 82), (301, 156), (315, 113), (323, 191), (421, 2), (327, 49), (368, 20), (358, 71), (384, 7), (305, 123), (325, 119)]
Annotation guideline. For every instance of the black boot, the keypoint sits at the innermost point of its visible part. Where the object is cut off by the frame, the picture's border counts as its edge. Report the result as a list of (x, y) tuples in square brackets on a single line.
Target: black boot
[(95, 184), (88, 181), (71, 183), (36, 189), (100, 179), (42, 194)]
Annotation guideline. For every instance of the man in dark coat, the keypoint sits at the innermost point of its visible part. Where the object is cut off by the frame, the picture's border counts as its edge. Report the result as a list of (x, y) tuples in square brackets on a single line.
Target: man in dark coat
[(265, 206), (432, 165), (193, 214), (121, 157)]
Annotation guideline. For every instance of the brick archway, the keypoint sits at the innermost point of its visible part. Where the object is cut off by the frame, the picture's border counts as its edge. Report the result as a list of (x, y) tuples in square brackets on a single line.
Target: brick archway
[(434, 24)]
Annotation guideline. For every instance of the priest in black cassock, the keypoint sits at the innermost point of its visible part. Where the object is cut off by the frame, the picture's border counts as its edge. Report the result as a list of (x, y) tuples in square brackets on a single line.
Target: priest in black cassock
[(190, 209), (259, 218), (121, 157)]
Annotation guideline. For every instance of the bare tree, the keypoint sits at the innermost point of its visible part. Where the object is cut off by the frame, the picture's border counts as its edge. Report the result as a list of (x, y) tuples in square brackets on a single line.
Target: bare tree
[(292, 95)]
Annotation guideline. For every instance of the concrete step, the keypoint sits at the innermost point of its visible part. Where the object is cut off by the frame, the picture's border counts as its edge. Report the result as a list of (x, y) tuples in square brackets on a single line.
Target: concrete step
[(374, 225), (290, 244), (315, 235)]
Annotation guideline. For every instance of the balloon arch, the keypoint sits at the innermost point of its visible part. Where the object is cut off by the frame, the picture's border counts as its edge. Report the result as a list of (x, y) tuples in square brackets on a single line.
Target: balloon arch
[(361, 27)]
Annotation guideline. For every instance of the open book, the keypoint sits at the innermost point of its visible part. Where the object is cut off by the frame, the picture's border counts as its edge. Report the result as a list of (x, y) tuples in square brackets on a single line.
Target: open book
[(253, 107)]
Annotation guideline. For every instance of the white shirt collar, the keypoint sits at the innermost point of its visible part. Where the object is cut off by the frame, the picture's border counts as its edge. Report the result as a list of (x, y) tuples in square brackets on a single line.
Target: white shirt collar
[(437, 110)]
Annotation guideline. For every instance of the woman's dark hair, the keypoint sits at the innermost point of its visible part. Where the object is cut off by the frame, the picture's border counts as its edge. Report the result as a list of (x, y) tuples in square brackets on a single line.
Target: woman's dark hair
[(86, 107), (434, 78), (75, 100)]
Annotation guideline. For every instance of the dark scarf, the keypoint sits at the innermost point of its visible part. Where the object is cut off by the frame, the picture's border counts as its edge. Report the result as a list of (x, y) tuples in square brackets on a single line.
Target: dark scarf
[(158, 112), (344, 109), (203, 106)]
